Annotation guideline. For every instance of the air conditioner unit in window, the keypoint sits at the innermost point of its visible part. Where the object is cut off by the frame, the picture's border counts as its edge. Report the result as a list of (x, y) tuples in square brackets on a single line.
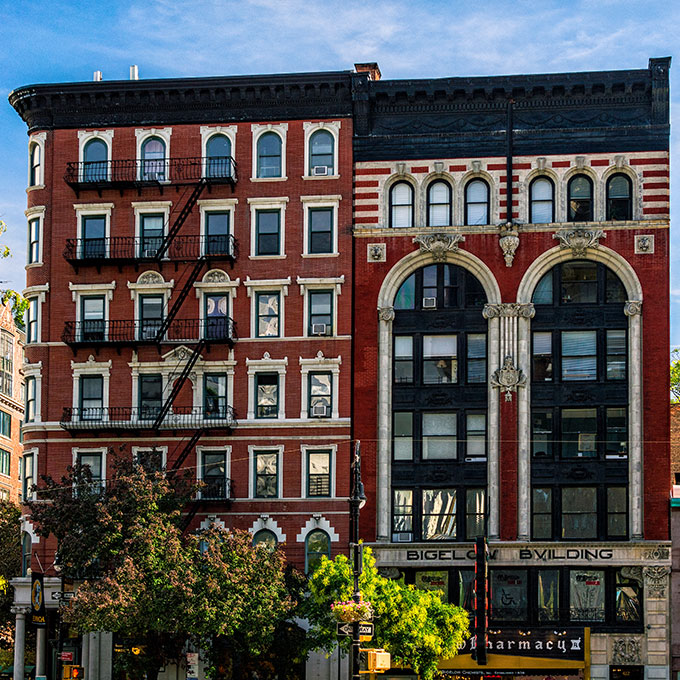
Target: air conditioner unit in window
[(150, 252), (319, 410), (320, 170), (319, 328), (429, 303), (402, 537)]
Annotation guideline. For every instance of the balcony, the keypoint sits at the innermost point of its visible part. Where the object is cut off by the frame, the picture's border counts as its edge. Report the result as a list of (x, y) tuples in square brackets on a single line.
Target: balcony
[(215, 489), (142, 418), (124, 249), (117, 332), (136, 173)]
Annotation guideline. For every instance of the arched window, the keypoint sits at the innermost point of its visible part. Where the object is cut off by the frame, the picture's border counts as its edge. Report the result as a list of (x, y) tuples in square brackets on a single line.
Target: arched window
[(34, 162), (321, 153), (580, 199), (542, 201), (153, 159), (401, 205), (439, 204), (619, 198), (26, 548), (218, 156), (317, 545), (269, 155), (95, 157), (267, 538), (477, 202)]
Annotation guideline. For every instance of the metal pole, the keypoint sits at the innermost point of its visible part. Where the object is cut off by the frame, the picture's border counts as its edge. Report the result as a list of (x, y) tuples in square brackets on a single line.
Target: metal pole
[(356, 502)]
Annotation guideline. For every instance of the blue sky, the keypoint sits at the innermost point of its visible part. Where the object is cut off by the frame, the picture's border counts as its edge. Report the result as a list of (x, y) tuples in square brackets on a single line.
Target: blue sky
[(50, 41)]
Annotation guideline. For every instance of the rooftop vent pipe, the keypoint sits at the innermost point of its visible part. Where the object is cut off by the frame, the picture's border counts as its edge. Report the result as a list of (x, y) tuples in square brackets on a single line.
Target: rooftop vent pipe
[(97, 76), (134, 72)]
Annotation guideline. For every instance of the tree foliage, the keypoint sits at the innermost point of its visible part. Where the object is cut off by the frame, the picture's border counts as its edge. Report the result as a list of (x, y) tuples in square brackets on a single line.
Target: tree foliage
[(414, 625), (10, 566), (675, 376), (8, 296)]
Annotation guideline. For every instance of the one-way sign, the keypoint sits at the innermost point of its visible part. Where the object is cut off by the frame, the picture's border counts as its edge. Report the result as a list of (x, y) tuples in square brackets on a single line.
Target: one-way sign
[(365, 630)]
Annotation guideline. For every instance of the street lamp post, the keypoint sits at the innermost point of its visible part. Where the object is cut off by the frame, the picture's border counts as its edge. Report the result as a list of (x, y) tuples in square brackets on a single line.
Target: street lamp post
[(356, 502)]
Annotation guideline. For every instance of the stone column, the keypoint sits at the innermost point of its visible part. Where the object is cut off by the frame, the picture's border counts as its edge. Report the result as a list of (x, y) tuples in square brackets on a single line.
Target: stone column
[(19, 641), (106, 656), (93, 661), (85, 650), (40, 651)]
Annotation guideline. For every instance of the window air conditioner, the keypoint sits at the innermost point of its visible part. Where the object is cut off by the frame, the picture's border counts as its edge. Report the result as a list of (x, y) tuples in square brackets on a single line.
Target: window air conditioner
[(402, 537), (429, 303), (319, 410), (320, 170), (318, 329), (150, 252)]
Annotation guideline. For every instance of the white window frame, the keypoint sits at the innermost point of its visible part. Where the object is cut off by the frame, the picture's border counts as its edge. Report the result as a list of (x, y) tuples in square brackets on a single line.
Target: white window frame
[(279, 448), (332, 126), (150, 208), (210, 205), (36, 212), (38, 138), (313, 523), (38, 293), (333, 283), (141, 135), (304, 449), (29, 452), (279, 204), (220, 283), (150, 287), (92, 209), (256, 131), (265, 522), (92, 367), (78, 290), (34, 371), (255, 286), (200, 450), (320, 202), (320, 364), (266, 365), (163, 450), (84, 136), (78, 450), (208, 131)]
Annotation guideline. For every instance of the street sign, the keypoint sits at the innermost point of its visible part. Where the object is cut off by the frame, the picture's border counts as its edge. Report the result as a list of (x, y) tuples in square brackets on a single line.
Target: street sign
[(63, 595), (365, 630), (65, 656)]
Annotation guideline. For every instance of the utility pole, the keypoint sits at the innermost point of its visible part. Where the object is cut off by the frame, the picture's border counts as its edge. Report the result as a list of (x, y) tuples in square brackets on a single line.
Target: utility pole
[(356, 502)]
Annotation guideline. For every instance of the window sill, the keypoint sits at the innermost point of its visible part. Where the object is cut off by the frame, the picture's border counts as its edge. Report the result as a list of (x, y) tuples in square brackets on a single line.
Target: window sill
[(267, 257), (314, 177), (33, 265), (268, 179), (317, 255), (35, 187)]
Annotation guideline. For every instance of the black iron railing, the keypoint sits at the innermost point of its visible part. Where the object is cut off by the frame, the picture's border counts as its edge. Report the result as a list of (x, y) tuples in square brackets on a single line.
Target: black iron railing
[(215, 489)]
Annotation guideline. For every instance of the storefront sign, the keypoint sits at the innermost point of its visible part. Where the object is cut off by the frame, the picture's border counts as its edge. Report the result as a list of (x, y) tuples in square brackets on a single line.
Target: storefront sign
[(565, 644), (38, 601)]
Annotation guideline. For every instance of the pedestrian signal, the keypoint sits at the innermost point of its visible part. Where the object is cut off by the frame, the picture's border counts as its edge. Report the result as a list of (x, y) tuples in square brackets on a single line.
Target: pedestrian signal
[(71, 672)]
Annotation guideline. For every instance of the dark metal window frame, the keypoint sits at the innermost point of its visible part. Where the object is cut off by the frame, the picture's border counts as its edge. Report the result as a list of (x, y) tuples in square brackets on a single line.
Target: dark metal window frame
[(258, 406), (5, 457), (308, 481), (258, 235), (92, 329), (311, 248), (467, 202), (35, 163), (31, 399), (34, 240), (154, 166), (32, 313), (312, 164), (591, 211), (221, 411), (629, 202), (260, 156), (448, 203), (81, 382), (150, 322), (311, 294), (27, 480), (258, 316), (392, 204), (149, 411), (256, 475), (5, 424), (531, 198), (310, 375), (221, 241), (309, 554)]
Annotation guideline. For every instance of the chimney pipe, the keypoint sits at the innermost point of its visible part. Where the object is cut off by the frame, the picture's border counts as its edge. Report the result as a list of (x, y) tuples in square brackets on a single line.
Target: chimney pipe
[(97, 76), (134, 72)]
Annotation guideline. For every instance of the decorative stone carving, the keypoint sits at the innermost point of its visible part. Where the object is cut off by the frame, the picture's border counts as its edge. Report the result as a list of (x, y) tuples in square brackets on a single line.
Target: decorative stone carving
[(401, 168), (439, 166), (644, 244), (540, 162), (619, 161), (634, 573), (509, 242), (386, 313), (524, 310), (439, 244), (376, 252), (476, 166), (580, 162), (216, 276), (656, 554), (267, 356), (508, 378), (579, 240), (150, 278), (632, 307), (656, 579), (627, 650)]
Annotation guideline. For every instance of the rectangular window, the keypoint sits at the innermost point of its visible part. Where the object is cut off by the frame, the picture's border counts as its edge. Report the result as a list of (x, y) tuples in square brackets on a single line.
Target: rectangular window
[(548, 584), (94, 237), (475, 424), (579, 432), (616, 355), (320, 230), (266, 474), (215, 402), (617, 512), (6, 364), (150, 396), (217, 233), (152, 234), (6, 424), (217, 317), (541, 513), (91, 397), (579, 355), (94, 462), (440, 363), (475, 513), (466, 589), (541, 433), (92, 315), (402, 514), (476, 358), (586, 595), (150, 460), (403, 359), (34, 241), (439, 514), (617, 433), (318, 473), (628, 596), (267, 232), (579, 512), (32, 320), (27, 467), (439, 435), (320, 312), (320, 395), (542, 365), (509, 601), (403, 436), (4, 462), (214, 475), (267, 395), (579, 282), (268, 305), (150, 316), (30, 399)]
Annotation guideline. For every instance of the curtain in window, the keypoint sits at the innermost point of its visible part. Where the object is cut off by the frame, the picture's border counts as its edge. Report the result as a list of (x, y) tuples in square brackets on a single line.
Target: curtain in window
[(586, 595), (579, 355)]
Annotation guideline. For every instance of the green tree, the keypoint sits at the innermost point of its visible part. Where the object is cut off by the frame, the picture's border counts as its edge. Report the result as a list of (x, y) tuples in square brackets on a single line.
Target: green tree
[(8, 296), (414, 625), (10, 566), (675, 376)]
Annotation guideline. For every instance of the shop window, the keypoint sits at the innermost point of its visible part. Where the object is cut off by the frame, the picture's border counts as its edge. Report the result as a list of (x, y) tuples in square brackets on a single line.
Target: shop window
[(438, 514)]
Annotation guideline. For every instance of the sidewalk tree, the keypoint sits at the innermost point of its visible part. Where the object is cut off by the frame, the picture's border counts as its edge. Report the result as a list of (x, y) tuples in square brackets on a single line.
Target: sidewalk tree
[(8, 296), (10, 566)]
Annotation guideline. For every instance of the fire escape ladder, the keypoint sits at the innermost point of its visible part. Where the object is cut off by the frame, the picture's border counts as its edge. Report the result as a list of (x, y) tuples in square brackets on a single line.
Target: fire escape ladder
[(181, 218), (183, 294), (178, 384), (187, 450)]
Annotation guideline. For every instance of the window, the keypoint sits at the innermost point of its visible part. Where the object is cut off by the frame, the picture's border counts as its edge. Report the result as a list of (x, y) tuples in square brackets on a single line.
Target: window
[(216, 317), (475, 435), (541, 199), (317, 546), (267, 395), (320, 395), (153, 160), (269, 155), (28, 468), (579, 512), (93, 229), (321, 153), (543, 293), (616, 355), (475, 513), (509, 601), (92, 317), (579, 432), (6, 364), (34, 240), (35, 174), (580, 189), (215, 395), (439, 514), (268, 305), (439, 204), (579, 355), (320, 230), (218, 156), (402, 514), (26, 549), (150, 316), (579, 282), (32, 320), (267, 232), (619, 198), (402, 430), (92, 461), (403, 359), (4, 462), (439, 435), (152, 234), (542, 364), (91, 397), (628, 597), (214, 475), (95, 157), (266, 538), (477, 202), (440, 363), (542, 433), (318, 473), (586, 595), (476, 358), (617, 512), (31, 397), (6, 424), (320, 312), (217, 240), (401, 205), (266, 474), (548, 582), (542, 515), (150, 460), (617, 433), (150, 396)]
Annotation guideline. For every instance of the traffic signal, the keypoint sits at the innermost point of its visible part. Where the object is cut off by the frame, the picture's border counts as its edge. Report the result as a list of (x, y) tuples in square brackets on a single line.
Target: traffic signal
[(481, 598), (374, 661), (71, 672)]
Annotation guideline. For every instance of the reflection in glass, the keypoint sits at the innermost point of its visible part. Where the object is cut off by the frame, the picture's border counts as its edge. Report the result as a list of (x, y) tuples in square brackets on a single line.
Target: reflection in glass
[(586, 595), (439, 514)]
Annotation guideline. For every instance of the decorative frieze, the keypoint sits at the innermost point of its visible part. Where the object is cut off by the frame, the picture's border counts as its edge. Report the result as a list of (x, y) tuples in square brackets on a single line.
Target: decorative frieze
[(508, 378), (524, 310), (579, 239), (627, 650), (657, 553), (438, 245), (656, 581)]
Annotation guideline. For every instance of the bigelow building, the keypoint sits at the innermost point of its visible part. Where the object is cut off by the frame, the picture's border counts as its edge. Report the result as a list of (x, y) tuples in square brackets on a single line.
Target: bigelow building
[(505, 242)]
